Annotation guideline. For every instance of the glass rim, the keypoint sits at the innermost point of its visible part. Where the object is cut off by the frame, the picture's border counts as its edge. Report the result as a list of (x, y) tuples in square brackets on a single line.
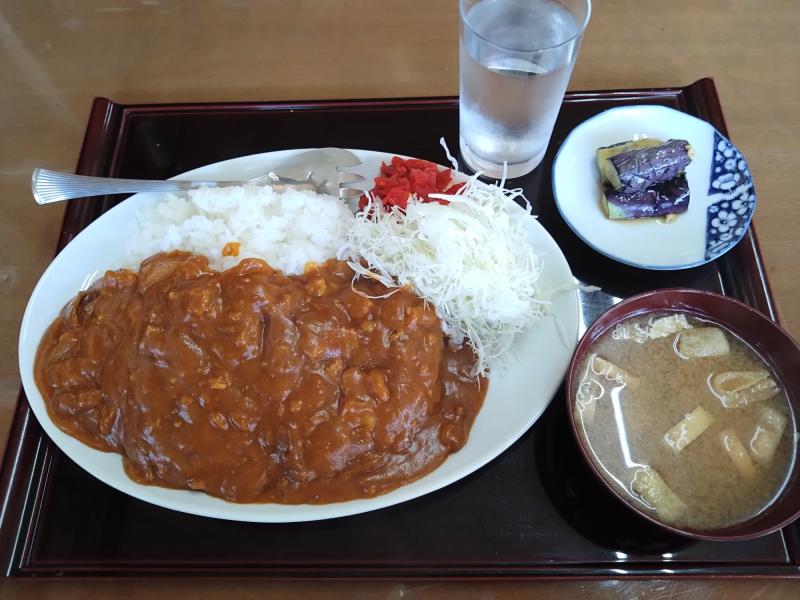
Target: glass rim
[(578, 33)]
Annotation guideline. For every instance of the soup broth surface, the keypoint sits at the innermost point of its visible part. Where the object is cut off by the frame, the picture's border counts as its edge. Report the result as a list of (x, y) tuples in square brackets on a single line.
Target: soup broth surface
[(625, 418)]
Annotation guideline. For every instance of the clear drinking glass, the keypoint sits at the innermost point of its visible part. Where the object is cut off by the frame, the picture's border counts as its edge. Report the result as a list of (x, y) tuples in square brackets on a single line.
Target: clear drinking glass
[(516, 60)]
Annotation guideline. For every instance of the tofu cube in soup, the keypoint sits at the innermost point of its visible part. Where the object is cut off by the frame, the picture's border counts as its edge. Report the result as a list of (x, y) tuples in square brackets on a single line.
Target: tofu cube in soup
[(689, 429), (736, 389), (737, 453), (767, 435), (654, 490), (600, 375), (589, 392), (612, 372), (664, 326), (703, 342)]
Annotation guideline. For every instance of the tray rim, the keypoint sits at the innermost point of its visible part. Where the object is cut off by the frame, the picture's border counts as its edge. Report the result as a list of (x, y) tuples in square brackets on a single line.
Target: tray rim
[(102, 139)]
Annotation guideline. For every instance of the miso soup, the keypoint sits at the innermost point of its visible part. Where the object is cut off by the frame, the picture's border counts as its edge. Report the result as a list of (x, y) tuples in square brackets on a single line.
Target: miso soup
[(685, 419)]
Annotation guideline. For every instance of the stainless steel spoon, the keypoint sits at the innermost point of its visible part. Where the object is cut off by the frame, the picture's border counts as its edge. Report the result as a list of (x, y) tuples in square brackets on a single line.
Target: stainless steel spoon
[(319, 170)]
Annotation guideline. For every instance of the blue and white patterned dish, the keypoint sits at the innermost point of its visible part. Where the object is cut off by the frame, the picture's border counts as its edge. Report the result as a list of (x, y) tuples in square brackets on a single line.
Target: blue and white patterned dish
[(722, 195)]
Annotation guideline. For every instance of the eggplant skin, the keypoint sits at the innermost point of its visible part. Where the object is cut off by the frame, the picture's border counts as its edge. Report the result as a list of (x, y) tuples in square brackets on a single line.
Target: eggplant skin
[(667, 198), (636, 170), (604, 154)]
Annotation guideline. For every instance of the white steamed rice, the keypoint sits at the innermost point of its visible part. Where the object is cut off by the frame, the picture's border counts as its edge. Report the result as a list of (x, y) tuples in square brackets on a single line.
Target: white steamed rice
[(288, 230)]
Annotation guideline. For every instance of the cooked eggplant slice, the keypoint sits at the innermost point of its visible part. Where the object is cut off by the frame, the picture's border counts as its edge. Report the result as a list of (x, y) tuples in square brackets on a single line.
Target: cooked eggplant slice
[(654, 490), (737, 453), (636, 170), (702, 342), (689, 429), (767, 435), (664, 326), (605, 153), (667, 198), (736, 389)]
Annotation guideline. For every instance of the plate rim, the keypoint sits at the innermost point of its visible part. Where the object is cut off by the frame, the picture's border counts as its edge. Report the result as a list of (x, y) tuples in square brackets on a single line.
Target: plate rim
[(612, 256)]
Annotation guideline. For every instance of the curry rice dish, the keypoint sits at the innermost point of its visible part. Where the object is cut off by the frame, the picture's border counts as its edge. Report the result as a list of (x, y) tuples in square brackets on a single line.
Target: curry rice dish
[(255, 386)]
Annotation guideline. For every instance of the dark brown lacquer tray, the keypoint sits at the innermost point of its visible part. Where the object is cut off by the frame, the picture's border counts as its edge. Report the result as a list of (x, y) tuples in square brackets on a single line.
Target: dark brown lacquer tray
[(536, 511)]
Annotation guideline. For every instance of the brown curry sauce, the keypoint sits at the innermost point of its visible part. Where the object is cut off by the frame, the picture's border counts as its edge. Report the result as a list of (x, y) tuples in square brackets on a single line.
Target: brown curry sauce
[(255, 386)]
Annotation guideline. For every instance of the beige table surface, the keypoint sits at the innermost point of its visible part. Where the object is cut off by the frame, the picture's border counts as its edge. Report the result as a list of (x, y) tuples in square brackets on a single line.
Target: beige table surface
[(57, 55)]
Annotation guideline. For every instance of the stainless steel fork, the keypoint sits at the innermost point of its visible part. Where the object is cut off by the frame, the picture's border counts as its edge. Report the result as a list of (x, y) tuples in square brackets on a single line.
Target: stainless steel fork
[(322, 170)]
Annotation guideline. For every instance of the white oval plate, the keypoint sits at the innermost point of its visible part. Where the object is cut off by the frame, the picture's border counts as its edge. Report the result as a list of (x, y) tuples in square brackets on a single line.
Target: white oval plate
[(514, 401), (721, 193)]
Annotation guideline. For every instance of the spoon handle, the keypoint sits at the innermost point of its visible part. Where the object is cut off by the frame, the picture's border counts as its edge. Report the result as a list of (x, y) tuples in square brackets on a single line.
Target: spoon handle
[(52, 186)]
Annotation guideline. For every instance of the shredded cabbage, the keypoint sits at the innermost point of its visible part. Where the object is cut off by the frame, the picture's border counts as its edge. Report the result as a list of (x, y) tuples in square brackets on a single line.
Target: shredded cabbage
[(470, 258), (449, 156)]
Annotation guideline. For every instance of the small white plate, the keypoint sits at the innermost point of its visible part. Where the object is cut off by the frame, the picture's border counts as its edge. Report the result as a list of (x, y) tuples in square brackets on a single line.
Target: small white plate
[(722, 195), (517, 395)]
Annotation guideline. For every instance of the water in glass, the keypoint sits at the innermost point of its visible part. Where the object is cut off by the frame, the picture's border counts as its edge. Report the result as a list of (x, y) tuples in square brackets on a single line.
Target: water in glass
[(511, 94)]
